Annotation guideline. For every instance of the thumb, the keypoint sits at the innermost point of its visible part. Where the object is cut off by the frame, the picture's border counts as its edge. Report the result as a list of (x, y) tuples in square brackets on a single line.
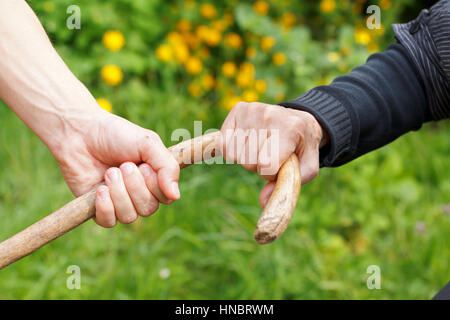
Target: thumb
[(266, 192), (168, 180), (154, 153)]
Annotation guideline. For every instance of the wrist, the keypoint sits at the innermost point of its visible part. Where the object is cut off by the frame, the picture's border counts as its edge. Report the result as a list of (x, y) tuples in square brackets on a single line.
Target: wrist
[(71, 120), (314, 126), (325, 137)]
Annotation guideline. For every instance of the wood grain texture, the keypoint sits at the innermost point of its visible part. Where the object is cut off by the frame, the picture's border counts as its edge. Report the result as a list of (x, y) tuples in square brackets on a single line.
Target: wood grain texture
[(83, 208), (51, 227), (279, 208), (273, 222)]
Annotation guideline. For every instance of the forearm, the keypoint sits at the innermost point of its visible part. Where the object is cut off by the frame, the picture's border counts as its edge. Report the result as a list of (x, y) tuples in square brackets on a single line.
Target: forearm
[(34, 80), (394, 92), (369, 107)]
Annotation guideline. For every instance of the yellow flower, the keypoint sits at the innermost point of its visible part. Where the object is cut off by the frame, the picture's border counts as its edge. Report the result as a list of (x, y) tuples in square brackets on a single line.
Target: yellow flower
[(279, 59), (207, 81), (244, 80), (327, 6), (192, 40), (174, 38), (250, 96), (362, 36), (267, 43), (194, 65), (184, 26), (233, 40), (181, 53), (112, 74), (229, 69), (113, 40), (288, 20), (333, 56), (202, 32), (261, 7), (260, 86), (246, 75), (248, 68), (385, 4), (230, 101), (164, 53), (194, 90), (250, 52), (213, 37), (105, 104), (219, 25), (208, 11)]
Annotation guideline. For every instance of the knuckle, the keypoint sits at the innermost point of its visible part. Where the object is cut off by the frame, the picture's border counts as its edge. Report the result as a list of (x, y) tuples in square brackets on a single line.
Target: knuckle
[(173, 165), (112, 172), (132, 186), (252, 107), (240, 105), (294, 124), (298, 123), (150, 141), (152, 135), (109, 171), (267, 115), (308, 118)]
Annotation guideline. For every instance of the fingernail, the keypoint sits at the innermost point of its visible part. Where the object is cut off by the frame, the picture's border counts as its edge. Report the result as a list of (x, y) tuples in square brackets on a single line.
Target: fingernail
[(145, 169), (175, 189), (113, 175), (127, 168)]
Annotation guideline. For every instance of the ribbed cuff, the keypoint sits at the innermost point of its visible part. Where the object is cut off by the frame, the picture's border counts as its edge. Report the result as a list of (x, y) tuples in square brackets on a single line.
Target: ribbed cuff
[(333, 116)]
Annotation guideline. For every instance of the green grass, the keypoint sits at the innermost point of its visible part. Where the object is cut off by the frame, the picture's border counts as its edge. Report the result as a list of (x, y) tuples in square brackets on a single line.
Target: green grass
[(348, 218)]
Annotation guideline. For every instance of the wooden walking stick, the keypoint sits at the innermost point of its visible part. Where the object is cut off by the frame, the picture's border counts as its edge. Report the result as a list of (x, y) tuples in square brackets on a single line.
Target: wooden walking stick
[(272, 223)]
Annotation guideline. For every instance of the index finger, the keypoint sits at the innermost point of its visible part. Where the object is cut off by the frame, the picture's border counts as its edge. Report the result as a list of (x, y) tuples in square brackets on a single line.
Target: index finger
[(154, 153)]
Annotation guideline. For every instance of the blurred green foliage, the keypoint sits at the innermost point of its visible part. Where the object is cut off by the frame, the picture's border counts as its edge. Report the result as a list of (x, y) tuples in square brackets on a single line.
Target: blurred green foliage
[(389, 208)]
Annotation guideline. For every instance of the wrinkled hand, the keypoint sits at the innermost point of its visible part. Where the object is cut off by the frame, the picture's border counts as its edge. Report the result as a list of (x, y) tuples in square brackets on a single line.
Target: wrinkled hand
[(138, 170), (261, 137)]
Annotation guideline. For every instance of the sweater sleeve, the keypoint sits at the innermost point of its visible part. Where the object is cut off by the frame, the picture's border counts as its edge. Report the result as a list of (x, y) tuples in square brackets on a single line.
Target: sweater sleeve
[(369, 107), (393, 93)]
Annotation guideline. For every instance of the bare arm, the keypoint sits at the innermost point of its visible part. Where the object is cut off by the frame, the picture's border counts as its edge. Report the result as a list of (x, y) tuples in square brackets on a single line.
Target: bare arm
[(34, 81), (88, 142)]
